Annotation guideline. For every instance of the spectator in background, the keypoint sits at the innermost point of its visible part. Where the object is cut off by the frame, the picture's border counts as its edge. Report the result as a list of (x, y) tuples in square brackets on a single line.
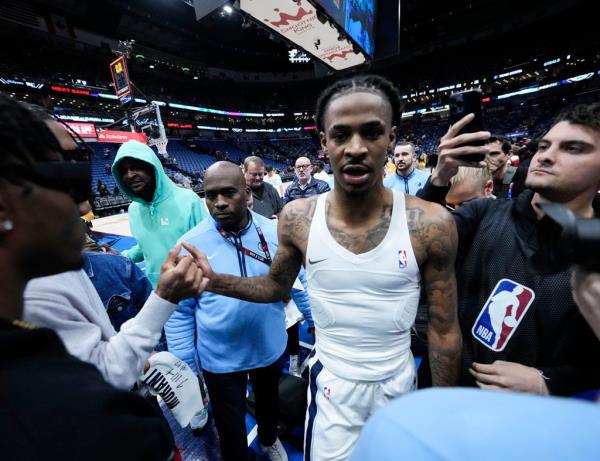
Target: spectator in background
[(267, 201), (319, 173), (160, 212), (103, 190), (422, 161), (178, 177), (116, 191), (497, 158), (525, 155), (407, 178), (304, 185), (274, 179), (469, 184), (389, 168)]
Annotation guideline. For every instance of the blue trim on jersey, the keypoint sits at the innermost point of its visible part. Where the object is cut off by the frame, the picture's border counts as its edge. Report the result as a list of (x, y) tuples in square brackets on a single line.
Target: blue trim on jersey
[(312, 408)]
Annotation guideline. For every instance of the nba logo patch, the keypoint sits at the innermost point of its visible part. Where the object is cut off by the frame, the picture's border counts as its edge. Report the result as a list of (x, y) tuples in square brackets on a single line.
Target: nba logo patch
[(502, 313), (402, 259)]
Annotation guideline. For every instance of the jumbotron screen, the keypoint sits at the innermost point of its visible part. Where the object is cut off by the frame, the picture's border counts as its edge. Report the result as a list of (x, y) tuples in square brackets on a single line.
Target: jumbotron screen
[(357, 17)]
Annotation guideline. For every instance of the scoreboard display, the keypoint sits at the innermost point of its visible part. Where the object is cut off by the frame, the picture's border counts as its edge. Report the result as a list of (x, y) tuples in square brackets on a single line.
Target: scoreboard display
[(120, 76)]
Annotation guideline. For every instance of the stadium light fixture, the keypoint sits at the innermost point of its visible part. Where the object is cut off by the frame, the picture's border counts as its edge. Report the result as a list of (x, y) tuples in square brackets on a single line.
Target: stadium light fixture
[(228, 9)]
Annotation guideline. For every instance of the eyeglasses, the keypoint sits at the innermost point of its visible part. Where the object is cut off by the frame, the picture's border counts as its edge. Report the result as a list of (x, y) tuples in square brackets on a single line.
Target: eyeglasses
[(73, 178), (303, 167)]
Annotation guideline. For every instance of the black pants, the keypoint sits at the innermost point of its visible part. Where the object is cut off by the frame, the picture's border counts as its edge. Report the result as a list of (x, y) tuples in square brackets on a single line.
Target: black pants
[(227, 392), (293, 342)]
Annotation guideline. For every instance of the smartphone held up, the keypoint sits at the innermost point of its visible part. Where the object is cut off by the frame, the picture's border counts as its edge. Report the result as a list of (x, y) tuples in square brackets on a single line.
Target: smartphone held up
[(465, 103)]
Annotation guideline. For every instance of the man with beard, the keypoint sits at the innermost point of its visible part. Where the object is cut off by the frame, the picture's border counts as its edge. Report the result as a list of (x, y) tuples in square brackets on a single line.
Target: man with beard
[(498, 164), (542, 344), (407, 178)]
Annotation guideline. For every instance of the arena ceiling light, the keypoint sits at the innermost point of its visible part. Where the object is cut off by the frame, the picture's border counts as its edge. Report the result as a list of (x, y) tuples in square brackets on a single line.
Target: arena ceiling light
[(228, 9)]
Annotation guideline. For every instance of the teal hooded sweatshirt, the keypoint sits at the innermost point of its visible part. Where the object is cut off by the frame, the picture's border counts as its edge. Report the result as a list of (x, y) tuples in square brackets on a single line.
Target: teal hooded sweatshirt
[(159, 224)]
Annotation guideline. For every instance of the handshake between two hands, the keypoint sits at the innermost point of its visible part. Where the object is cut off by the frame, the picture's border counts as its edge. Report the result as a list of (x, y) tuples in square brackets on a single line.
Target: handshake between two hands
[(183, 276)]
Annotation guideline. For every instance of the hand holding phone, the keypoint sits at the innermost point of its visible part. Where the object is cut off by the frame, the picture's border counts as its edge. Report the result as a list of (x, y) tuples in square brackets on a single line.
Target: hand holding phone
[(465, 143), (462, 104)]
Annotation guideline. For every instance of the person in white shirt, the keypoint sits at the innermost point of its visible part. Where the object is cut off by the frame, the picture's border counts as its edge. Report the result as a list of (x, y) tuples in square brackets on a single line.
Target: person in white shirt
[(319, 173), (274, 179)]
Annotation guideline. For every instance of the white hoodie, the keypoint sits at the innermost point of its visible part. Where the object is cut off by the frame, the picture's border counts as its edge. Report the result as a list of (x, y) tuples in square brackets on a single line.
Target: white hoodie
[(69, 304)]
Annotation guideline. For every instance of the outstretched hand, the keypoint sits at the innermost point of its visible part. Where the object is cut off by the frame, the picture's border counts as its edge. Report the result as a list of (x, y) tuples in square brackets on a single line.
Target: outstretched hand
[(180, 277), (200, 259), (452, 147)]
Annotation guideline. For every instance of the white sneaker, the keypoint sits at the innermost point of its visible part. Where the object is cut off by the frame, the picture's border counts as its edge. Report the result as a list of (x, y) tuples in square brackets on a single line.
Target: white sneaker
[(294, 368), (275, 452), (199, 420)]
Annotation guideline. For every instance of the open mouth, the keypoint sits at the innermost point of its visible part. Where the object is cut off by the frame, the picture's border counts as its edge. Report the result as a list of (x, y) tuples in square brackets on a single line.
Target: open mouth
[(355, 174)]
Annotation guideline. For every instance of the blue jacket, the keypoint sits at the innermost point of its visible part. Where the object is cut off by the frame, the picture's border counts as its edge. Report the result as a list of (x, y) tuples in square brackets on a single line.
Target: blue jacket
[(121, 285), (314, 187), (229, 334), (408, 184)]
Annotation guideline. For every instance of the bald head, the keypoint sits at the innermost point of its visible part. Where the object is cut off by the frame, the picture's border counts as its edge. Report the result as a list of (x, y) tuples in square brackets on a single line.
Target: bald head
[(225, 170), (226, 195), (303, 169)]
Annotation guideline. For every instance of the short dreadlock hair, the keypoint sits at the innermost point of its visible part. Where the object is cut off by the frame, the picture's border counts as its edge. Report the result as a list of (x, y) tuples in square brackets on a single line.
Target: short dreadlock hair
[(366, 83)]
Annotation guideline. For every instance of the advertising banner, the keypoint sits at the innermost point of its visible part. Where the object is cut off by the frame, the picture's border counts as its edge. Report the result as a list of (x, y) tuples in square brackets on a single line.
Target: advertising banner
[(121, 136), (85, 130)]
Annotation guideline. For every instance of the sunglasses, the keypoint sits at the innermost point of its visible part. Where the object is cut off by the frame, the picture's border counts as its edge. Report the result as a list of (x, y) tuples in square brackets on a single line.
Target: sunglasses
[(72, 178)]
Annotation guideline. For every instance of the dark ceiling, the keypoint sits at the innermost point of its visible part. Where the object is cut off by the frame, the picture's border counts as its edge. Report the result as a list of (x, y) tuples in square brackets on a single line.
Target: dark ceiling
[(219, 40)]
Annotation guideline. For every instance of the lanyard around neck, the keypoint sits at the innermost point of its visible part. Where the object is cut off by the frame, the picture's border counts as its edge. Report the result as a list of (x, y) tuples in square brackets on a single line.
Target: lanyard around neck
[(263, 243)]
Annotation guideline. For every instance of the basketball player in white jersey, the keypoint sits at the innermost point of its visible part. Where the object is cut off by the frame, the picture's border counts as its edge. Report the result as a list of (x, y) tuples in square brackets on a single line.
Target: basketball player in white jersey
[(366, 251)]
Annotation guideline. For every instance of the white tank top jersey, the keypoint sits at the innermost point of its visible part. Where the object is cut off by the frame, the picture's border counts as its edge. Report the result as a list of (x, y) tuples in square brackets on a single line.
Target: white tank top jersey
[(363, 305)]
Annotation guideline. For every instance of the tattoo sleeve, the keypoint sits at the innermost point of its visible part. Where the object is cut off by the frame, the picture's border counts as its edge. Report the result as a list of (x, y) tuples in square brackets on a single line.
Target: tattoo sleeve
[(443, 332), (275, 286)]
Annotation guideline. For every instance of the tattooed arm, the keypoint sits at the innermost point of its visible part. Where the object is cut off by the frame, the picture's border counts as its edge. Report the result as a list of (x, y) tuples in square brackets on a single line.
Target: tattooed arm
[(292, 230), (436, 232)]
